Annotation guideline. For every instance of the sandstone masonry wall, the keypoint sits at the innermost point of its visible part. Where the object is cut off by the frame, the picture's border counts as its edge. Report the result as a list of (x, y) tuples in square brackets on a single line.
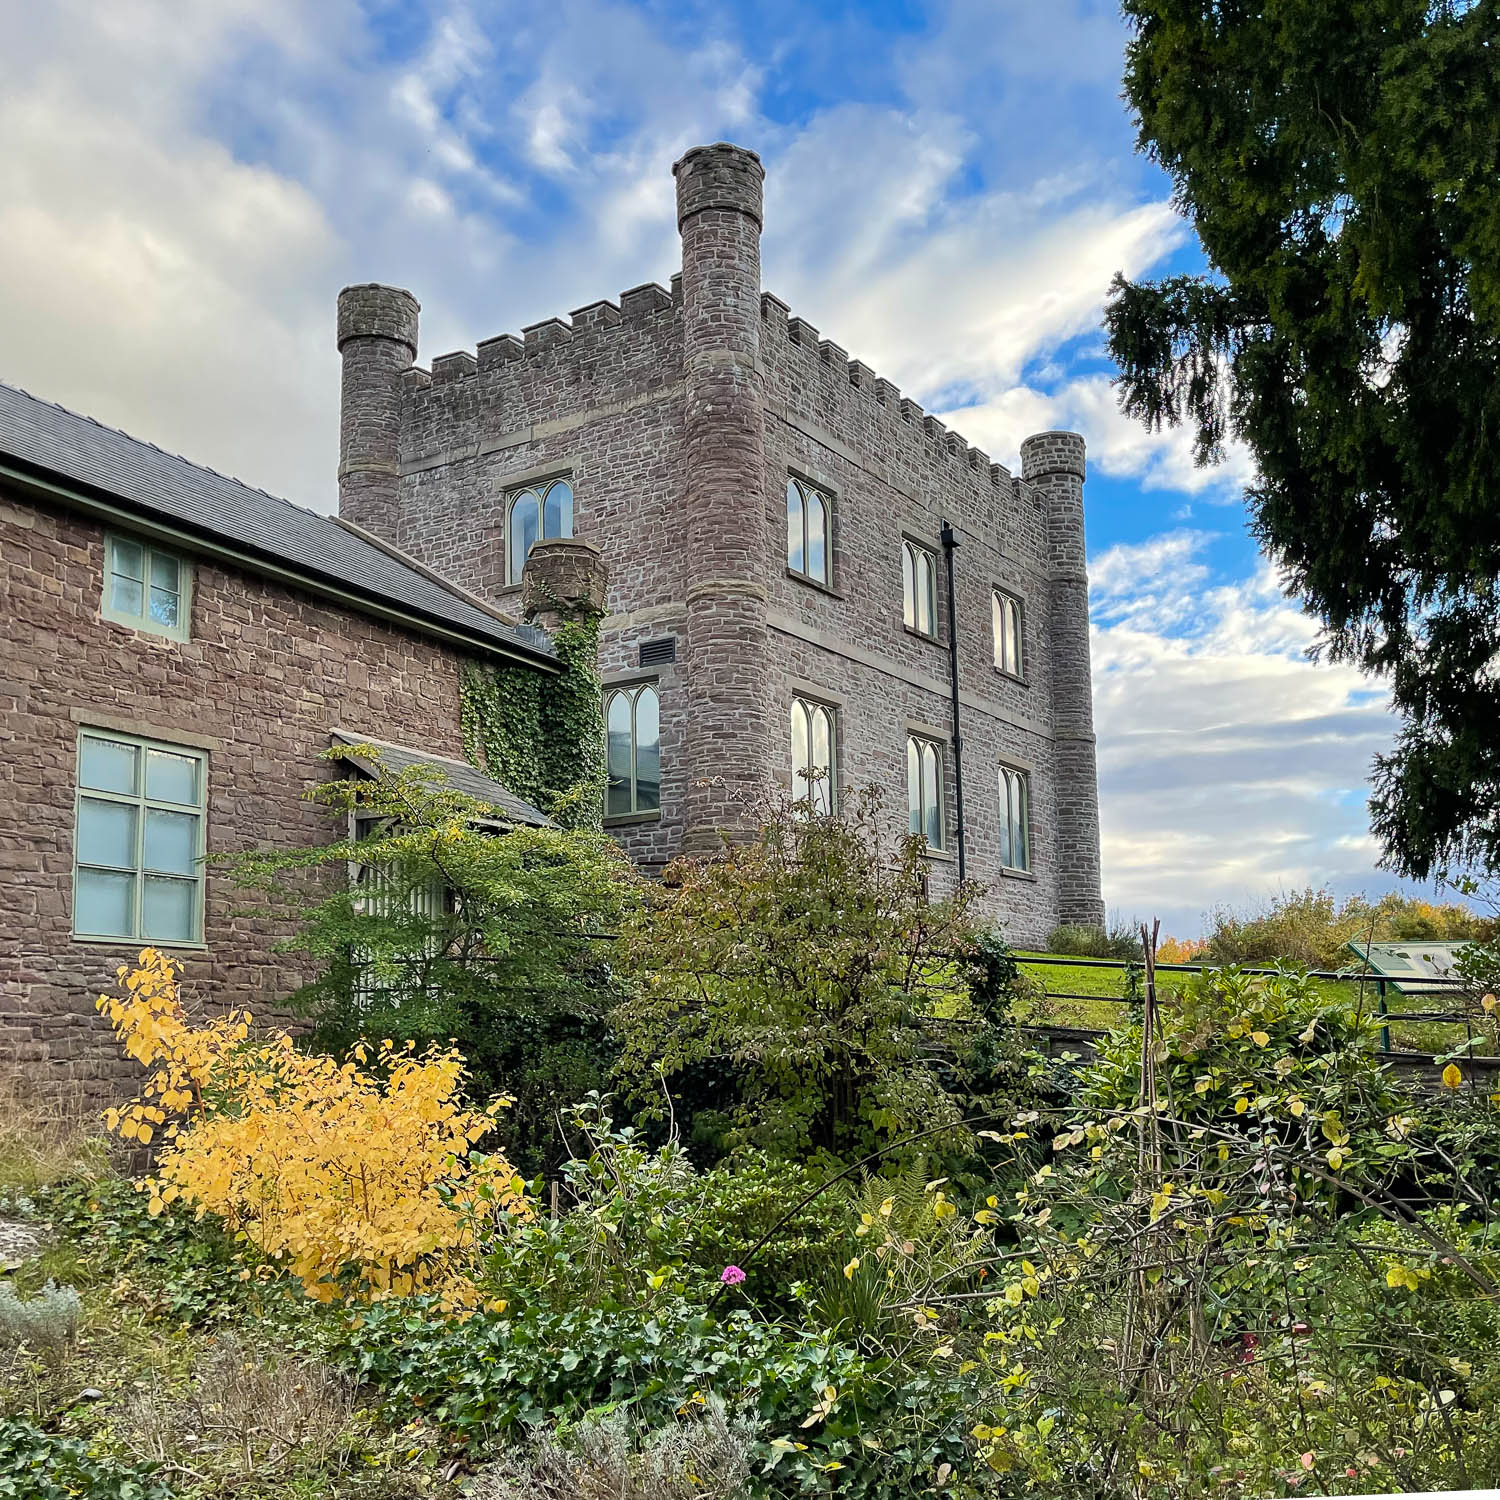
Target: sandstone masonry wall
[(266, 674)]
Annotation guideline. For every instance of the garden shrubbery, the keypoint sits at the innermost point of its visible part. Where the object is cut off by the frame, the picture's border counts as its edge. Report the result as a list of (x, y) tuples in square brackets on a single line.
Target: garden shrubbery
[(1234, 1255)]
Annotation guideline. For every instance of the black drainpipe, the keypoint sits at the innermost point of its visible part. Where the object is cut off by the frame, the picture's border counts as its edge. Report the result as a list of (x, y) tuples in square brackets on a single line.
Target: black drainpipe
[(950, 543)]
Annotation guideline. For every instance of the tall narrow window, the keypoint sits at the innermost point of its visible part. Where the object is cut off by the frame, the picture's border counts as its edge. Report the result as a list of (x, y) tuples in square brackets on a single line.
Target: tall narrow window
[(1015, 819), (807, 545), (632, 728), (138, 846), (145, 587), (924, 788), (919, 586), (813, 767), (1009, 656), (537, 513), (379, 891)]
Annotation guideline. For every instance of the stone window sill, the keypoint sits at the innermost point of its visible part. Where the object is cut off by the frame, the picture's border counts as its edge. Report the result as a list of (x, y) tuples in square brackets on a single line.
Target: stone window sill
[(942, 855), (922, 635), (631, 820), (1006, 873), (137, 943), (813, 583), (1011, 677)]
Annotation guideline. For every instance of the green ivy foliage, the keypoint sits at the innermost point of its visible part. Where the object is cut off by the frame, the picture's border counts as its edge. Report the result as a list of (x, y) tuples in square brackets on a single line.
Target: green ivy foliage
[(540, 735)]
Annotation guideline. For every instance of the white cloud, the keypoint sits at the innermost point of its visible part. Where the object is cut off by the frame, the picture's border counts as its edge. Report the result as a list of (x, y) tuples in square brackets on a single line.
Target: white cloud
[(1230, 765)]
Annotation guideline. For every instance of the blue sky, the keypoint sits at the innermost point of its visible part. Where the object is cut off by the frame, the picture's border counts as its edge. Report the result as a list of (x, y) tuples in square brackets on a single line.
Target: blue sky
[(950, 188)]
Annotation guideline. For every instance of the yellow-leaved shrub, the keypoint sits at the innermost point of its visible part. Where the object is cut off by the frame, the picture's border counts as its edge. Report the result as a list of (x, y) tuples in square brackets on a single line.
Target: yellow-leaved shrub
[(363, 1181)]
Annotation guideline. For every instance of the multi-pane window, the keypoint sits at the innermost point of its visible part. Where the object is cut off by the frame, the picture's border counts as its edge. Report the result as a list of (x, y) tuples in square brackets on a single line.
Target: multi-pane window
[(379, 892), (145, 587), (924, 788), (1009, 656), (813, 768), (632, 728), (1015, 814), (807, 545), (138, 852), (919, 585), (537, 513)]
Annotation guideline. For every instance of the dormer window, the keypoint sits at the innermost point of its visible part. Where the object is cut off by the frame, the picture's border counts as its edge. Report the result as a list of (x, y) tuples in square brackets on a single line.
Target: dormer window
[(539, 512), (146, 587)]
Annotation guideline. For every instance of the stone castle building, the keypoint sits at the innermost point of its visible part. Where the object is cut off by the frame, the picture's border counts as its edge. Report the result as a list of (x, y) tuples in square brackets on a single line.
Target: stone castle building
[(812, 583)]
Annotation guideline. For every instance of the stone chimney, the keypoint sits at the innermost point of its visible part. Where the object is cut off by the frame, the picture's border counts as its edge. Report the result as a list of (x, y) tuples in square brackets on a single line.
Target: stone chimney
[(565, 578)]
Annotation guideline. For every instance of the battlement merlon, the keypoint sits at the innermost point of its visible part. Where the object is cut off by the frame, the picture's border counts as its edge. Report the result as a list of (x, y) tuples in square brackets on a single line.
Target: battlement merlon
[(377, 341)]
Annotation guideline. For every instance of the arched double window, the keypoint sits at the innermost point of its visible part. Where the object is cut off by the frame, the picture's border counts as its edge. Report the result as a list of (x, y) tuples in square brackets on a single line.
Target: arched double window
[(813, 754), (924, 788), (1009, 655), (632, 731), (919, 587), (1015, 819), (541, 511), (807, 543)]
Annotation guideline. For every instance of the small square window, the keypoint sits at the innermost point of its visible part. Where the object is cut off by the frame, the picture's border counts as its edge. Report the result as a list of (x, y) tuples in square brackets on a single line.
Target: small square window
[(146, 587)]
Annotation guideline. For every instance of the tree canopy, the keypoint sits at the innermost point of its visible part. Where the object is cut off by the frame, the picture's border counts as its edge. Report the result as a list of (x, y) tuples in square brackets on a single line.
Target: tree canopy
[(1340, 162)]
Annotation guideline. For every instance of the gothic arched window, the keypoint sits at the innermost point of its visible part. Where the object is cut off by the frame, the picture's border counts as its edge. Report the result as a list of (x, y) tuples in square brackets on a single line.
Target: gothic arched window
[(538, 512)]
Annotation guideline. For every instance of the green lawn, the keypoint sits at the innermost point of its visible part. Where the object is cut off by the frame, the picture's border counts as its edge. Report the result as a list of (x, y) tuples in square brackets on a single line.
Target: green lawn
[(1077, 978)]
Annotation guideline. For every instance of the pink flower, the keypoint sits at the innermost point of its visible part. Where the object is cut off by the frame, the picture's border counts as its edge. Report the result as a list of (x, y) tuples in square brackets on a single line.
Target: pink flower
[(1307, 1460), (732, 1276)]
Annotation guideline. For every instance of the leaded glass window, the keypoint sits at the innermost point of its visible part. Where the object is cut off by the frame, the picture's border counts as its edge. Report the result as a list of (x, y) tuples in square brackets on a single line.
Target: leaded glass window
[(632, 730), (1009, 653), (1015, 819), (138, 843), (813, 750), (924, 788), (539, 512), (919, 587), (807, 536)]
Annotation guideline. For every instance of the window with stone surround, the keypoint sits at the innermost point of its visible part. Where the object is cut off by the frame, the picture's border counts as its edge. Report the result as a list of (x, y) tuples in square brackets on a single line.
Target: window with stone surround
[(1015, 819), (1010, 635), (632, 733), (924, 788), (814, 768), (138, 842), (807, 531), (919, 587), (539, 512), (146, 587)]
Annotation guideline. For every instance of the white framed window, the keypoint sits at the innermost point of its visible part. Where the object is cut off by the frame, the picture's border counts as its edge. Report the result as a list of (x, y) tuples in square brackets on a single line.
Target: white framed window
[(807, 531), (632, 734), (919, 587), (138, 840), (1015, 819), (537, 513), (146, 587), (377, 894), (1010, 654), (924, 788), (814, 767)]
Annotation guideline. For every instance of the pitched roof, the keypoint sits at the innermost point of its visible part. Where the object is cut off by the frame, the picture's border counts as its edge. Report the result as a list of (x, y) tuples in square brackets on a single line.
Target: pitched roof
[(460, 774), (223, 515)]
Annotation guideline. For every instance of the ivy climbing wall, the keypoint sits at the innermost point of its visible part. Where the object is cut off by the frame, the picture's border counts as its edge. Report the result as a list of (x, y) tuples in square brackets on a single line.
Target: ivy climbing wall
[(543, 736)]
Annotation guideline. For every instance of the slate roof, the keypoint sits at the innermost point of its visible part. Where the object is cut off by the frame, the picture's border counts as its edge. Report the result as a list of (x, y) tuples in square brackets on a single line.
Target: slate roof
[(137, 476), (461, 775)]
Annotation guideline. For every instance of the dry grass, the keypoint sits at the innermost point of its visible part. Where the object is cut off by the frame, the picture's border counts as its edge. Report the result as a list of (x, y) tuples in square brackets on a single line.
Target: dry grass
[(49, 1131)]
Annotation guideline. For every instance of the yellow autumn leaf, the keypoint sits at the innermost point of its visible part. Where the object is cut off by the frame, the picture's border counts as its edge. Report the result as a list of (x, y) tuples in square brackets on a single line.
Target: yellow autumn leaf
[(1452, 1076)]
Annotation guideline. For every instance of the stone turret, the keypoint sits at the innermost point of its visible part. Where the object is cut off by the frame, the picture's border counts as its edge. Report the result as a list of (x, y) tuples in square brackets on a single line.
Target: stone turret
[(1054, 463), (377, 339), (726, 635), (565, 578)]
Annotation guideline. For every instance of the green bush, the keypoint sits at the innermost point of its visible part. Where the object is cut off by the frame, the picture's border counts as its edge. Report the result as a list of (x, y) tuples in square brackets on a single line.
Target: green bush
[(38, 1465), (1081, 941)]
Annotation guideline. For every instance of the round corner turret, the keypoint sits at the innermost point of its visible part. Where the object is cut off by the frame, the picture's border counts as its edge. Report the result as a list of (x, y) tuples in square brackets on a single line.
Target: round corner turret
[(371, 311), (720, 176), (1047, 453)]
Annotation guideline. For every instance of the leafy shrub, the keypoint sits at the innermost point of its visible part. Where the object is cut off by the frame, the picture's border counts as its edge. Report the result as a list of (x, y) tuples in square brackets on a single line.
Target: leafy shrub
[(37, 1465), (805, 964), (1312, 929), (46, 1323), (1082, 941), (502, 965), (361, 1181)]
